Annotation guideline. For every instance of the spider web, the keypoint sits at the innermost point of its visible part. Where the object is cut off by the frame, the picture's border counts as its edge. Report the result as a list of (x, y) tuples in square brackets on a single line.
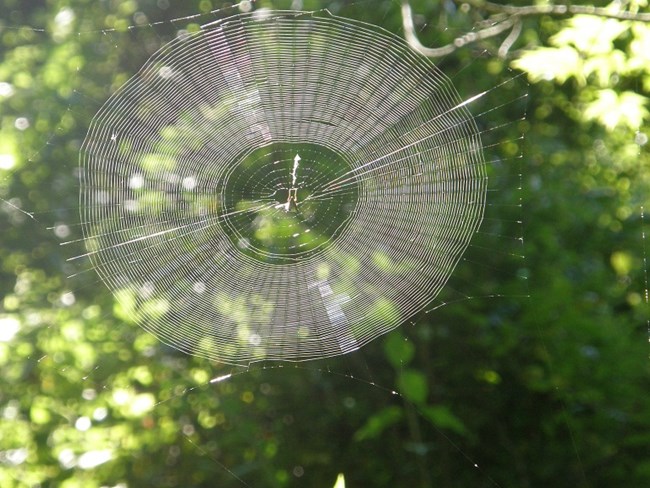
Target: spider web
[(142, 298), (280, 185)]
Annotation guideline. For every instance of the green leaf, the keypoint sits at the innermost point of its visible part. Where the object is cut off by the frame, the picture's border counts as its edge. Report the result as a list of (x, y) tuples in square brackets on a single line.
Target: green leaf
[(442, 418), (376, 424), (413, 386), (399, 350)]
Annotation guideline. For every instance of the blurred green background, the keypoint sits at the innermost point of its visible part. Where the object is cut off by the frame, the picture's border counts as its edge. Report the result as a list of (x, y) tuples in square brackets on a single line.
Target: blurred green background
[(548, 389)]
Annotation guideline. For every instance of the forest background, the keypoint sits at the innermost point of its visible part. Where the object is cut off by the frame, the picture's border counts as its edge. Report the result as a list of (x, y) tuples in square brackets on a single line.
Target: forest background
[(548, 387)]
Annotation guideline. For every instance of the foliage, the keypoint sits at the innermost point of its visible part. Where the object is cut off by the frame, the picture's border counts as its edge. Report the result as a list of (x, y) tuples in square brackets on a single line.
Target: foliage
[(600, 55), (549, 390)]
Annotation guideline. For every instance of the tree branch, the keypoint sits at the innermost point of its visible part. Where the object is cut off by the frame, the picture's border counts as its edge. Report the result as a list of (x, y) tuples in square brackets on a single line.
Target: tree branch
[(512, 37), (505, 17), (468, 38), (556, 10)]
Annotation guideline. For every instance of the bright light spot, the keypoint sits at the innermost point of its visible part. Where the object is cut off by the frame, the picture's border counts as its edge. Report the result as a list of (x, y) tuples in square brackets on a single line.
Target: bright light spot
[(9, 327), (16, 456), (67, 459), (165, 72), (121, 396), (143, 403), (68, 299), (21, 123), (83, 424), (340, 481), (100, 414), (89, 394), (641, 139), (10, 412), (199, 287), (243, 243), (92, 459), (6, 90), (220, 378), (131, 205), (102, 198), (34, 319), (147, 289), (189, 183), (136, 182), (298, 471), (61, 231), (7, 161), (188, 429), (64, 17), (245, 6), (255, 339), (262, 14)]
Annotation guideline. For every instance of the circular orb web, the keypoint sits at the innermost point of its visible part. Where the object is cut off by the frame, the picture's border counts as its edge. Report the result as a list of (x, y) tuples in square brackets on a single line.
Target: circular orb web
[(280, 186)]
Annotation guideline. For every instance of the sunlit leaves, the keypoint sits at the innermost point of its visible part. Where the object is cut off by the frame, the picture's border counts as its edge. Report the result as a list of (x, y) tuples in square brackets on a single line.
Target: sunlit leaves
[(600, 53), (590, 35), (131, 404), (640, 53), (618, 109), (545, 63)]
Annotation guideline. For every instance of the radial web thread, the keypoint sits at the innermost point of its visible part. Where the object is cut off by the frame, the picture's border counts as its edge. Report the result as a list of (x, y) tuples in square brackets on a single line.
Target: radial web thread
[(280, 186)]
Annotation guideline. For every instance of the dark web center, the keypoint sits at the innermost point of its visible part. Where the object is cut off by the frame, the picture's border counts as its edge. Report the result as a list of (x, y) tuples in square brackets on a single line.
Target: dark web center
[(278, 205), (291, 198)]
